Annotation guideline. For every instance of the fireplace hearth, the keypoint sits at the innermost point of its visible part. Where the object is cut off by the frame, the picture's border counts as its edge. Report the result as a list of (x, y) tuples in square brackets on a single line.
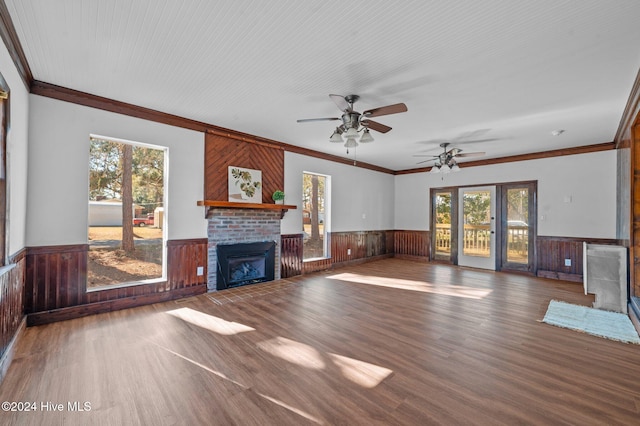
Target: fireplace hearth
[(245, 263)]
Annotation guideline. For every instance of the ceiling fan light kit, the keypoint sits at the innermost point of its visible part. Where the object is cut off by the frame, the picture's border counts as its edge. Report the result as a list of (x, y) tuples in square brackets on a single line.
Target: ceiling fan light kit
[(446, 162), (366, 137), (445, 168), (350, 143), (336, 136), (355, 127)]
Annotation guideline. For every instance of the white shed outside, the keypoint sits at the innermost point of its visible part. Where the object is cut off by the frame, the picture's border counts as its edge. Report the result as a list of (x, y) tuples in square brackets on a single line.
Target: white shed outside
[(105, 213)]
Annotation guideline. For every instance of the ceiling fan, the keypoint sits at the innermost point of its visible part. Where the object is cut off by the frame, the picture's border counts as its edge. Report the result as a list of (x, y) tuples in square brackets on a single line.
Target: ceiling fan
[(446, 161), (354, 122)]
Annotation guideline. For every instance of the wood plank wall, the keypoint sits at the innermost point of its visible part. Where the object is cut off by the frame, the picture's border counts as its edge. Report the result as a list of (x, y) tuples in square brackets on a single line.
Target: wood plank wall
[(224, 151), (56, 276), (552, 251), (183, 259), (364, 245), (11, 304), (290, 255), (367, 245), (412, 244)]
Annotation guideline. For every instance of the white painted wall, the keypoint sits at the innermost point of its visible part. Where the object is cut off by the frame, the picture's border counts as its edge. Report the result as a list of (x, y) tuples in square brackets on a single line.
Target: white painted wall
[(58, 170), (355, 193), (17, 147), (360, 199), (588, 179)]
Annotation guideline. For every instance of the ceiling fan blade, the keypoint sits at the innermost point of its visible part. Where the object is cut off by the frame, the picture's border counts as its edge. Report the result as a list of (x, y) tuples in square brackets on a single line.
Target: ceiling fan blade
[(425, 155), (425, 161), (470, 154), (386, 110), (306, 120), (374, 125), (476, 141), (340, 102), (472, 134)]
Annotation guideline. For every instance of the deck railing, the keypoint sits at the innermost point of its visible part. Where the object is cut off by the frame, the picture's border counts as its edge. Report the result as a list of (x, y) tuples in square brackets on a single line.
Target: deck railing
[(477, 239)]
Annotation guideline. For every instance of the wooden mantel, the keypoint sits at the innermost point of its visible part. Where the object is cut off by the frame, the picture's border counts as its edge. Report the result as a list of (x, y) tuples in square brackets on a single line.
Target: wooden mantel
[(233, 205)]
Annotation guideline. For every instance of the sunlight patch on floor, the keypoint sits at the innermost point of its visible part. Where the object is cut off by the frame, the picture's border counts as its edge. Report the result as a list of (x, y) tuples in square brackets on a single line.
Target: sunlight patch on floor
[(359, 372), (293, 352), (421, 286), (210, 322)]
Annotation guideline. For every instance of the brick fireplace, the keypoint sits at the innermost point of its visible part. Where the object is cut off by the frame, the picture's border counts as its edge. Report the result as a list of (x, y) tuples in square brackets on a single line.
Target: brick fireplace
[(227, 226)]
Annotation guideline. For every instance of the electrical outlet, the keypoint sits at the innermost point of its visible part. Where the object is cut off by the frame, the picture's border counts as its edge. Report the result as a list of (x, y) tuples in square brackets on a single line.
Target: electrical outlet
[(348, 252), (200, 271), (567, 262)]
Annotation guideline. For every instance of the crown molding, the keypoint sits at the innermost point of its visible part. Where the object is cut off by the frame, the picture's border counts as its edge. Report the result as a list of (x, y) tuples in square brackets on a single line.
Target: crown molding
[(106, 104), (524, 157), (86, 99), (629, 116)]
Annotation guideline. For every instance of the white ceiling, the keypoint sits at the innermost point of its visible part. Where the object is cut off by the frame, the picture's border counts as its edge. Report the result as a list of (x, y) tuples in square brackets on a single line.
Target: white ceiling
[(520, 68)]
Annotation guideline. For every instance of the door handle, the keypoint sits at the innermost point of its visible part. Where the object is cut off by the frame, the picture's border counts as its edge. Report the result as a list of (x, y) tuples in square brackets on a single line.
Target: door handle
[(493, 232)]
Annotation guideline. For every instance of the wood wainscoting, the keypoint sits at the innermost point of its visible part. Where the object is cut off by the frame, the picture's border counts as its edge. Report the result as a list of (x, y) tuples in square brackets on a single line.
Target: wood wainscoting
[(412, 245), (11, 308), (56, 282), (552, 251), (291, 255), (364, 246), (354, 247)]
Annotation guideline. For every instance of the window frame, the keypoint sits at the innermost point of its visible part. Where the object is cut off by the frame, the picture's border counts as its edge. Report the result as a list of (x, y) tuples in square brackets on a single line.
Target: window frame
[(326, 220), (4, 175), (165, 203)]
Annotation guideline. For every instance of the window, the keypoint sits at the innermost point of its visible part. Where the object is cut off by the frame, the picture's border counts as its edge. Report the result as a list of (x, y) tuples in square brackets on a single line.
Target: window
[(315, 215), (126, 213)]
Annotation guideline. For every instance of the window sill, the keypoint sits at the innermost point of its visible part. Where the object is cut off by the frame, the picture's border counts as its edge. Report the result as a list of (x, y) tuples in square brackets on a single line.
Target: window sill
[(127, 284), (5, 269), (315, 259)]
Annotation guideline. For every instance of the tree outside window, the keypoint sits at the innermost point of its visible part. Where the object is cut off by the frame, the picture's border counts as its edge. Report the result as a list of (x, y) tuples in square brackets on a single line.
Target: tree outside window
[(126, 209), (314, 209)]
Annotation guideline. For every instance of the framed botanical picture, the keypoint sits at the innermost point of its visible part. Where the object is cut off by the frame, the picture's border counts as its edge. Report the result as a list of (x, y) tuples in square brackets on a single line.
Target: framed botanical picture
[(245, 185)]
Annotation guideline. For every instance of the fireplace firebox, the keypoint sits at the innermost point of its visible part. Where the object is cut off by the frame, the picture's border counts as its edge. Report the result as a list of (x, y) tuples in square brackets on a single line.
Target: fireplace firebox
[(245, 263)]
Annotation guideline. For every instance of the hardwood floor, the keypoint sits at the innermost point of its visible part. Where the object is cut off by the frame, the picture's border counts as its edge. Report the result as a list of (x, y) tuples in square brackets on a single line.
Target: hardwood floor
[(392, 342)]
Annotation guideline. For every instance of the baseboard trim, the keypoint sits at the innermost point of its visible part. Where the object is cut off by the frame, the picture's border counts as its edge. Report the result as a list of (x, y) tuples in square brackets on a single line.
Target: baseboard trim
[(7, 357), (423, 259), (72, 312), (577, 278), (360, 261)]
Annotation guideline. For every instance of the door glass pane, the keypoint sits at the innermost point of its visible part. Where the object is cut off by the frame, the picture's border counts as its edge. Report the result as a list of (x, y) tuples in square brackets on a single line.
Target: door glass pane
[(518, 225), (476, 207), (443, 224)]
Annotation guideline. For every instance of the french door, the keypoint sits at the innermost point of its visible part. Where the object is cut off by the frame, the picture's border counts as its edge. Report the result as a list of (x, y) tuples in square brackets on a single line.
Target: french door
[(477, 227)]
